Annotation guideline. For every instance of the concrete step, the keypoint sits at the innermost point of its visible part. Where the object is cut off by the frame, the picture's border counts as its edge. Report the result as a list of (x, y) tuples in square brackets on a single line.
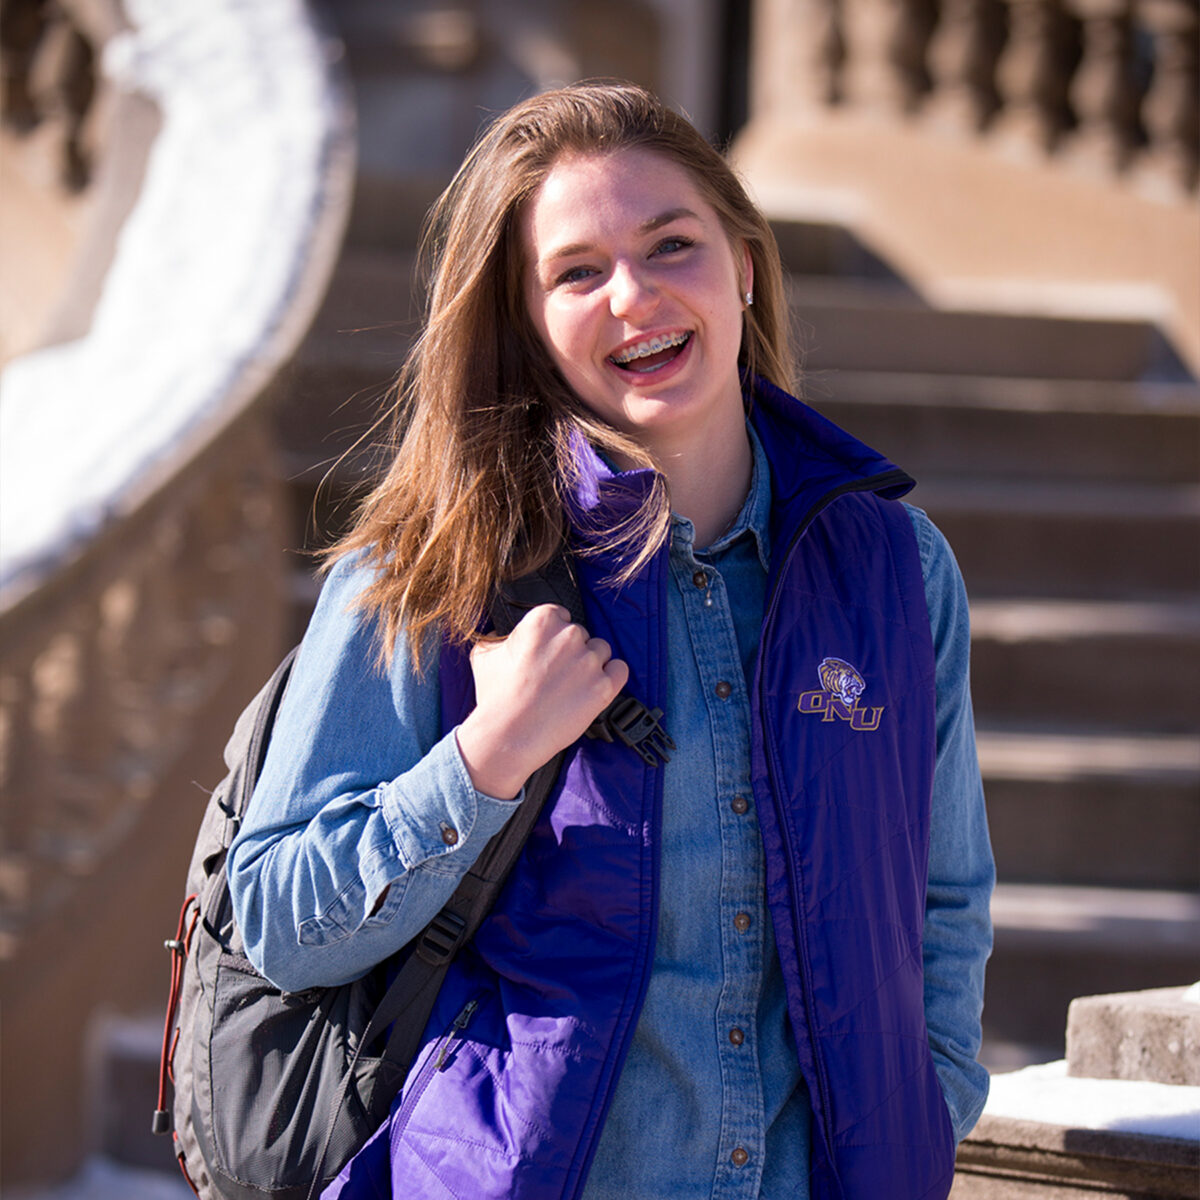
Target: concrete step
[(1066, 430), (1050, 539), (809, 248), (1055, 943), (1121, 664), (1107, 809), (336, 384), (864, 325), (99, 1178)]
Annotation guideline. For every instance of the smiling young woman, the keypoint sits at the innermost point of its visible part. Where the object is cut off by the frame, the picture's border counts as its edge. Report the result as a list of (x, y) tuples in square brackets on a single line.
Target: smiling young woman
[(755, 970)]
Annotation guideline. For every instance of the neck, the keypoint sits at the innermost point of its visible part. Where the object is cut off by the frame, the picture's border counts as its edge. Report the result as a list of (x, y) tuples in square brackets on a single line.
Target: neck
[(709, 483)]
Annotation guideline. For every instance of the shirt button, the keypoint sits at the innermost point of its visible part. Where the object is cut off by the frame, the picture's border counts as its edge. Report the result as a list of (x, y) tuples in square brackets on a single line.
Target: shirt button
[(739, 1157), (724, 690), (737, 1036), (739, 804), (741, 922), (700, 579), (449, 835)]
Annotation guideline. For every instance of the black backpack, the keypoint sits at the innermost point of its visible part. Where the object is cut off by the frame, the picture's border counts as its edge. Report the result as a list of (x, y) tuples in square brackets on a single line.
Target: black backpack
[(275, 1092)]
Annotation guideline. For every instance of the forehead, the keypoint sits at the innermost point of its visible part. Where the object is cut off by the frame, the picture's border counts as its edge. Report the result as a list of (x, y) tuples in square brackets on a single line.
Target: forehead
[(587, 198)]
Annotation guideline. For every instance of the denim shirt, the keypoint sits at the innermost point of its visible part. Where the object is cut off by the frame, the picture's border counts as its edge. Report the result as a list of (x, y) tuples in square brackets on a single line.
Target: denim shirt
[(359, 790)]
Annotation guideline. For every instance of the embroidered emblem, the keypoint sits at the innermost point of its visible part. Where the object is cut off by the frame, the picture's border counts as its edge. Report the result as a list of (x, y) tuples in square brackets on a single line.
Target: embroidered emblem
[(841, 688)]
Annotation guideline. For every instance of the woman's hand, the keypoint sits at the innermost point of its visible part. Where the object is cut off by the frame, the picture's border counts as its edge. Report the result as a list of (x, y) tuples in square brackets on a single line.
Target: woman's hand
[(536, 692)]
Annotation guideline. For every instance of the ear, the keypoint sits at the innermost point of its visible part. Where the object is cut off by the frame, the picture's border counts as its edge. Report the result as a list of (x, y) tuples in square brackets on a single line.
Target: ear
[(747, 270)]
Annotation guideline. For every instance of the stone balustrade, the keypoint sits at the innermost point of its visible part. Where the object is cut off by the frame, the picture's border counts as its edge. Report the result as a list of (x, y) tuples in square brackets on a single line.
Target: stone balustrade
[(1000, 155), (106, 672), (1111, 84), (142, 589)]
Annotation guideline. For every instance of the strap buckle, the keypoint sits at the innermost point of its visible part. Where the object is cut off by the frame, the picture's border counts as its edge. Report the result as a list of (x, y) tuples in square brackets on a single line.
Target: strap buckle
[(441, 938), (639, 727)]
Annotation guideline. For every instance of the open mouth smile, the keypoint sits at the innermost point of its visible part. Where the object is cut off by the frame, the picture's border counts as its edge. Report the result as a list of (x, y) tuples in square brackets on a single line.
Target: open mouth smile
[(651, 355)]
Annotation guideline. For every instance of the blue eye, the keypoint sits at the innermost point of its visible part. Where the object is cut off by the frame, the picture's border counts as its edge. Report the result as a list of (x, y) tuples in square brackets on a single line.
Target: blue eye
[(575, 275), (672, 245)]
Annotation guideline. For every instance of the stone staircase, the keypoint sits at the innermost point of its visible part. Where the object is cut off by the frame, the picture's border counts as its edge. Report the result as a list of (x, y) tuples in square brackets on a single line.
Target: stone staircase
[(1065, 469)]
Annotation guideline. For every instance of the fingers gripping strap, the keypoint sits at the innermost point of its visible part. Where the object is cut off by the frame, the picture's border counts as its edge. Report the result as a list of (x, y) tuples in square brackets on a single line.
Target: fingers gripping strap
[(626, 719)]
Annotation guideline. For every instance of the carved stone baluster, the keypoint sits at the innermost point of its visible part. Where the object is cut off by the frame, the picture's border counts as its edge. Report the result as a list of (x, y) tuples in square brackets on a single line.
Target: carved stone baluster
[(61, 88), (907, 50), (21, 30), (819, 79), (1031, 75), (1103, 93), (884, 51), (962, 61), (798, 54), (1170, 110), (129, 662)]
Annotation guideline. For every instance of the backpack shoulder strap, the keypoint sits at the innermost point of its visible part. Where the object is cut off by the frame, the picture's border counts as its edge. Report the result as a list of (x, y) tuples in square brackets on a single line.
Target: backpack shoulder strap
[(263, 710), (409, 999), (245, 753)]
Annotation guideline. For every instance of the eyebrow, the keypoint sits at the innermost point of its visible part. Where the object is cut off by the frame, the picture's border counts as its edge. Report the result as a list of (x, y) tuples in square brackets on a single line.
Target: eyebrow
[(647, 226)]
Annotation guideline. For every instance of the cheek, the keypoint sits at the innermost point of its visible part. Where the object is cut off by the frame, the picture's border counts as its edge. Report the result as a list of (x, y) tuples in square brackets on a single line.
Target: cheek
[(565, 337)]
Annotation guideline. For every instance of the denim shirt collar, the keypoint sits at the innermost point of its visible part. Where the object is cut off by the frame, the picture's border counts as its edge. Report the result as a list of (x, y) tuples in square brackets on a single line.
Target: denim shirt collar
[(753, 520)]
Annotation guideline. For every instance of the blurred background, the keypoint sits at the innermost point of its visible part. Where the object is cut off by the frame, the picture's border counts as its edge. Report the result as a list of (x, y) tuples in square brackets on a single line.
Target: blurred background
[(989, 214)]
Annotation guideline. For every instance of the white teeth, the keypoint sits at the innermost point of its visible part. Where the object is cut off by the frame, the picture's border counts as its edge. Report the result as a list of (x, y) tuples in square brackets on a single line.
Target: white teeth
[(653, 346)]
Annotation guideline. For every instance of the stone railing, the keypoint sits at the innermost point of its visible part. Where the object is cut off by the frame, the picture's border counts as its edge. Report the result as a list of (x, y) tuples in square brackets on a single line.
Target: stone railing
[(1008, 153), (142, 592), (1110, 83)]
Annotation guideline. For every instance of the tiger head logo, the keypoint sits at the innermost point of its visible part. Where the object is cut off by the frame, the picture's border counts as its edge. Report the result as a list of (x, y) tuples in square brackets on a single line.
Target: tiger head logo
[(840, 678)]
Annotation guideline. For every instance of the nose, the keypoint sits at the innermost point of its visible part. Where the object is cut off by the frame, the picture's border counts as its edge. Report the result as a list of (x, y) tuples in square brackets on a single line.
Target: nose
[(631, 293)]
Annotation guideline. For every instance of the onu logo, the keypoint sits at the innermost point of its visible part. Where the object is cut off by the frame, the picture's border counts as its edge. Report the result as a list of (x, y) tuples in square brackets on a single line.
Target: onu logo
[(841, 687)]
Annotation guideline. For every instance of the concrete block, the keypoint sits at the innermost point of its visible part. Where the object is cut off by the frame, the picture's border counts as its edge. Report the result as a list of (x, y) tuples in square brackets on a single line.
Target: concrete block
[(1152, 1035)]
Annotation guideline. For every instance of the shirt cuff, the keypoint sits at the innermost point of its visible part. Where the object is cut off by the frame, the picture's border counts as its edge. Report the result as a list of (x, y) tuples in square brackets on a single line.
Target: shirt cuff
[(436, 817)]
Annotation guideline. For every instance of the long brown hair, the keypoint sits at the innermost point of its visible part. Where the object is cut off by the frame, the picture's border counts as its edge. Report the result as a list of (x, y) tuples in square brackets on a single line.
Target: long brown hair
[(482, 422)]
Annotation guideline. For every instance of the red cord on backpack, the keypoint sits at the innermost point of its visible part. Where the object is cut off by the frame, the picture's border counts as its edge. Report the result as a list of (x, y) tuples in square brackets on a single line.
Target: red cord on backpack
[(178, 946)]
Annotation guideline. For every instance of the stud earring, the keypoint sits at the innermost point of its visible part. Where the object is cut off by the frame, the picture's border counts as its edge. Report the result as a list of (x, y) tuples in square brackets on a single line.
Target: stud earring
[(749, 299)]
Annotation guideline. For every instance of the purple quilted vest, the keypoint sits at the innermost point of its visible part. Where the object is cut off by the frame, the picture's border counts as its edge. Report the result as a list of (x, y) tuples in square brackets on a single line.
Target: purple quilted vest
[(508, 1103)]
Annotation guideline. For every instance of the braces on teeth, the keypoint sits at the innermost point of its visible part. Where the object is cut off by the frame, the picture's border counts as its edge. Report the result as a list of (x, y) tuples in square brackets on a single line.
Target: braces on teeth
[(653, 346)]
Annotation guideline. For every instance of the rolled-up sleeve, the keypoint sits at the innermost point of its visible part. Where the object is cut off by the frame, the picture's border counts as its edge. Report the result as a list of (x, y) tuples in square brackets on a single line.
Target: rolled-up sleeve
[(364, 818), (958, 931)]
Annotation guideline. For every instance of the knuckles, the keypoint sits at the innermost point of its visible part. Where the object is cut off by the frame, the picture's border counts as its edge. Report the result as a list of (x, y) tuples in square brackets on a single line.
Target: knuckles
[(548, 650)]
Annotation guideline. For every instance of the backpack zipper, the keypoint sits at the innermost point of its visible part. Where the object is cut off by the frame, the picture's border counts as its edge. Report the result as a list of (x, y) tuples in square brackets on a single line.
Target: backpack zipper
[(460, 1023), (436, 1061)]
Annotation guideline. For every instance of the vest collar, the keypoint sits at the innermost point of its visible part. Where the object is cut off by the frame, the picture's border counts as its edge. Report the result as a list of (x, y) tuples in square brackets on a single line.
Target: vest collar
[(813, 461)]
